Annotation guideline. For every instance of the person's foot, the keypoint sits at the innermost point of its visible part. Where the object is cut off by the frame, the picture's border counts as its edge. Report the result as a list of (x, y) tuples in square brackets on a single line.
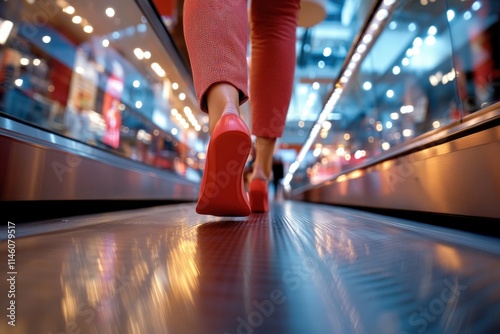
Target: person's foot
[(258, 189), (258, 194), (222, 190)]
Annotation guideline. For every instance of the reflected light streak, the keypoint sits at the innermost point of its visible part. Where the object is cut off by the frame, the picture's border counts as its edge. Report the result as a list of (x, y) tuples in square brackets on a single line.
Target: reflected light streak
[(162, 282), (448, 258)]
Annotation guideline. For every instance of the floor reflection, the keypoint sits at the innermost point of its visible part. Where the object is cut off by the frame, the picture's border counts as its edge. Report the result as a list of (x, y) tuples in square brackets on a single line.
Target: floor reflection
[(300, 268)]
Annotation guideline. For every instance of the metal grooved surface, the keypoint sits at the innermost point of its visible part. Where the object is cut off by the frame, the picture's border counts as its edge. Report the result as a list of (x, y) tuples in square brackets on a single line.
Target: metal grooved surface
[(301, 268)]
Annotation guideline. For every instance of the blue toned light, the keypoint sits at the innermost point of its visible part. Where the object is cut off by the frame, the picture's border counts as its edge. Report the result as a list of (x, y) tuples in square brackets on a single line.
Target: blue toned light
[(432, 30), (450, 14), (430, 40)]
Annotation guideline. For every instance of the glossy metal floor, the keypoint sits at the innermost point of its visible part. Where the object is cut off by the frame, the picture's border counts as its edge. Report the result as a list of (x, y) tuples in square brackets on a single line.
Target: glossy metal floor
[(301, 268)]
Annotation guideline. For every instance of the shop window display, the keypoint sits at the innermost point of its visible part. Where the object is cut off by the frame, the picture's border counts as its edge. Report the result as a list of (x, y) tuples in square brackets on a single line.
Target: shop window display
[(97, 73)]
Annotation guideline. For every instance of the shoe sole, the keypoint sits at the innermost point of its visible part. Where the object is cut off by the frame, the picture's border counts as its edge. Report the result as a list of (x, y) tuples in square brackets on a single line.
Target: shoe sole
[(223, 192)]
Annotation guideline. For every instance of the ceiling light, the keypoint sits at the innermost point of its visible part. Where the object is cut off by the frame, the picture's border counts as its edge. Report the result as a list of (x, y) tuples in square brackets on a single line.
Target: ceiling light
[(367, 38), (46, 39), (158, 69), (5, 29), (450, 14), (361, 48), (382, 14), (88, 29), (77, 19), (430, 40), (139, 53), (69, 10), (417, 42), (110, 12), (407, 132)]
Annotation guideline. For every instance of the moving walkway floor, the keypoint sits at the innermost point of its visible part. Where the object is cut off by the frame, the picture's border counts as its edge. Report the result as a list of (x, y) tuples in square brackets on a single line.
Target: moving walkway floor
[(301, 268)]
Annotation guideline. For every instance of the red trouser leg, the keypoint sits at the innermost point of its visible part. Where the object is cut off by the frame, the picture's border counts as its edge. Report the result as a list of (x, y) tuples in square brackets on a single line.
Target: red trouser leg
[(273, 38), (216, 33)]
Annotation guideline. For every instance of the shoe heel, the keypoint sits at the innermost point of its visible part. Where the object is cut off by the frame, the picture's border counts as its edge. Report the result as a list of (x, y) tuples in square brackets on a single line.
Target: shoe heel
[(259, 197), (222, 190)]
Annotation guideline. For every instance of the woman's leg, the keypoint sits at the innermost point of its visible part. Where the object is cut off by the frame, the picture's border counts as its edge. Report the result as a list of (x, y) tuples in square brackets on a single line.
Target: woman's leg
[(273, 38), (216, 34)]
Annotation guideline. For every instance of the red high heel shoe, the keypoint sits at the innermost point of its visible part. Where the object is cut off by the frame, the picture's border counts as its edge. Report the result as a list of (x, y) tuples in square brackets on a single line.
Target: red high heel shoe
[(222, 190), (259, 197)]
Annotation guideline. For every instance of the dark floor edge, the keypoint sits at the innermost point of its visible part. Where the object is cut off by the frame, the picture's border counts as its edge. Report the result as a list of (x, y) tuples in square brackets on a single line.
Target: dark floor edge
[(477, 225), (30, 211)]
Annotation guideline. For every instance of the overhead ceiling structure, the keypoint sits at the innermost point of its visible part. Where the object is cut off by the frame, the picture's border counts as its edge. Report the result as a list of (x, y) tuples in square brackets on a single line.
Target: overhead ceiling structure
[(321, 52)]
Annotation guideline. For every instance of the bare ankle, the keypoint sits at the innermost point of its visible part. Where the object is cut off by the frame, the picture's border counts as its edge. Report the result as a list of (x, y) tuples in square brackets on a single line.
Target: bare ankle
[(258, 173)]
